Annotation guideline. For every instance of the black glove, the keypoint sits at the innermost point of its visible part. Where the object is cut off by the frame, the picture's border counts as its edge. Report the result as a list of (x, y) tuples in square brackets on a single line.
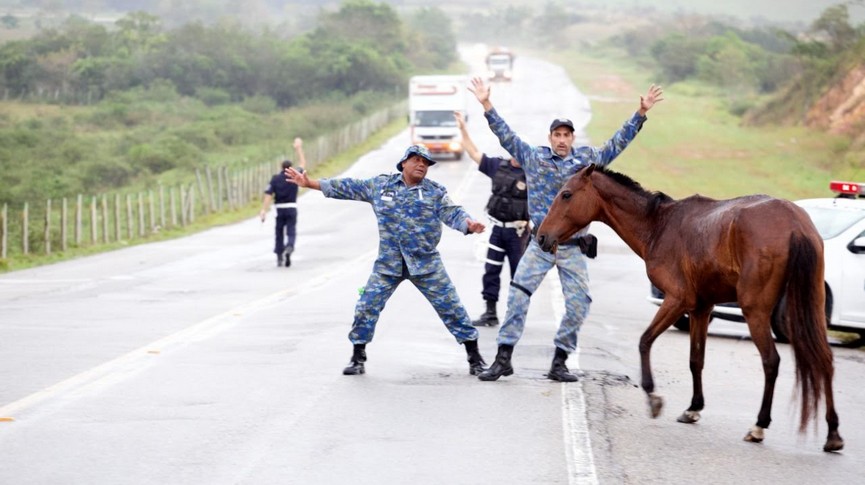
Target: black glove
[(589, 245)]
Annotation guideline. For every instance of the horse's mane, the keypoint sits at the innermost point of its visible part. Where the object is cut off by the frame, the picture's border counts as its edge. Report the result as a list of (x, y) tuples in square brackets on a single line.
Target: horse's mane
[(655, 198)]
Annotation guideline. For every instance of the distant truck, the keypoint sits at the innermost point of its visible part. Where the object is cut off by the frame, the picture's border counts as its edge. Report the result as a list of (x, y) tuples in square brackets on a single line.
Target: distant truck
[(432, 101), (500, 64)]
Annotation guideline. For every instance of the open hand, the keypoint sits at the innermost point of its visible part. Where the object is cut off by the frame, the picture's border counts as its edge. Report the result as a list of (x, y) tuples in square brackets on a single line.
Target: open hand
[(295, 177), (480, 90), (655, 94)]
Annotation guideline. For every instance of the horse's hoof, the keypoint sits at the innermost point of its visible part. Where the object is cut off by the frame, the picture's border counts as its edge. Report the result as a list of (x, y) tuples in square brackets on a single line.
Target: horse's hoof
[(656, 402), (755, 435), (689, 417), (834, 444)]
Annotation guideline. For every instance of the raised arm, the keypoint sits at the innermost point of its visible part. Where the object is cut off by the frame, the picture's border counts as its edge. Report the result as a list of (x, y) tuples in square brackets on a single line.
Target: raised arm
[(468, 144), (298, 150)]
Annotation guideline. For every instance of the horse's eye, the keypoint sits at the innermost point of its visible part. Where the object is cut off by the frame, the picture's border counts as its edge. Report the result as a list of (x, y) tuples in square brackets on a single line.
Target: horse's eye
[(566, 195)]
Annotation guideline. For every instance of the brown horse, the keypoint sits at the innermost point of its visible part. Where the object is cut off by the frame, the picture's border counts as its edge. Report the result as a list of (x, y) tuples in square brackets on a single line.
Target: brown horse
[(762, 252)]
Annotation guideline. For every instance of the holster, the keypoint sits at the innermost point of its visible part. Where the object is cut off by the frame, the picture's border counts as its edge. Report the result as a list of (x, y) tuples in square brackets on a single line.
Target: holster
[(588, 245)]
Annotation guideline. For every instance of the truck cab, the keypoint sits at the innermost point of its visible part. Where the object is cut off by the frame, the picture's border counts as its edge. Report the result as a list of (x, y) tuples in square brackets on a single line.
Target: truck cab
[(500, 65), (432, 102)]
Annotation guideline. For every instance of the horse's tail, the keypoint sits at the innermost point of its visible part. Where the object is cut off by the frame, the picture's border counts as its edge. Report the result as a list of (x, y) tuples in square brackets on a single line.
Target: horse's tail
[(806, 326)]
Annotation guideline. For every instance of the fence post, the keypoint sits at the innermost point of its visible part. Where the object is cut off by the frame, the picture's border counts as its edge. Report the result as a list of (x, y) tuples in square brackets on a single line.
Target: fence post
[(48, 227), (152, 207), (222, 184), (201, 191), (118, 222), (192, 204), (162, 206), (211, 194), (141, 232), (182, 201), (130, 222), (64, 221), (172, 198), (25, 229), (4, 227), (79, 208), (93, 222), (105, 224)]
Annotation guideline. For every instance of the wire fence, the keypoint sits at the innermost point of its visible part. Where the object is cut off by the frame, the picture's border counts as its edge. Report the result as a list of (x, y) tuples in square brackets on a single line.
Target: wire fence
[(56, 225)]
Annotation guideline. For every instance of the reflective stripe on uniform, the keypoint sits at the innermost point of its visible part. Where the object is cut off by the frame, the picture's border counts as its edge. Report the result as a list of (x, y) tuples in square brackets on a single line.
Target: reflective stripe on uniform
[(496, 248), (286, 205)]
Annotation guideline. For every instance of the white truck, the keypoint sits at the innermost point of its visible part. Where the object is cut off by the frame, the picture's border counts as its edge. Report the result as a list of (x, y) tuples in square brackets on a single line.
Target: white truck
[(500, 64), (432, 101)]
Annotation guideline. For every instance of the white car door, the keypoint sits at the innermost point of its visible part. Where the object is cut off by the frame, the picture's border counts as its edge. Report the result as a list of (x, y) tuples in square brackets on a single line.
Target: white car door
[(851, 297)]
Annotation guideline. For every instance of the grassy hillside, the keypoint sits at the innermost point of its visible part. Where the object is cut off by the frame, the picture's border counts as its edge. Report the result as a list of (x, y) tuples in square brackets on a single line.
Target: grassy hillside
[(691, 144)]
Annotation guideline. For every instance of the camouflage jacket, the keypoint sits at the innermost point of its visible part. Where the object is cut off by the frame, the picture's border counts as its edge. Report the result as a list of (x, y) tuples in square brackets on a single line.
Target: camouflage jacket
[(409, 219), (547, 172)]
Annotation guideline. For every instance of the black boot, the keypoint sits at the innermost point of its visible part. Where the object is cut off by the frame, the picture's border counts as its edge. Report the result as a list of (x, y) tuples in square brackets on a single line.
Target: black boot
[(476, 362), (559, 371), (355, 367), (489, 318), (501, 366), (287, 255)]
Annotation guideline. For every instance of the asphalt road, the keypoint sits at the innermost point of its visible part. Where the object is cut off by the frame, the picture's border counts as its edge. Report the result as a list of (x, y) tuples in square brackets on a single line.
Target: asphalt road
[(197, 361)]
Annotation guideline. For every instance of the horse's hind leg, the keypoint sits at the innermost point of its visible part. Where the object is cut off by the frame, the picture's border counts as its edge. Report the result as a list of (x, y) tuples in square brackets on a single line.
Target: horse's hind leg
[(834, 442), (761, 334), (699, 330)]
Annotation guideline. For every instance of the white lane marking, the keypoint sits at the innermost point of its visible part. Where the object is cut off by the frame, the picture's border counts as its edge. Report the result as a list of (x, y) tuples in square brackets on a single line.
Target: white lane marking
[(115, 370), (575, 425)]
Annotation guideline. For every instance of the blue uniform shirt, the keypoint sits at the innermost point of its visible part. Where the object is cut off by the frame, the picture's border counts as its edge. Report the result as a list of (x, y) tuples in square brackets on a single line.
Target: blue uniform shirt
[(282, 190), (409, 219), (547, 172)]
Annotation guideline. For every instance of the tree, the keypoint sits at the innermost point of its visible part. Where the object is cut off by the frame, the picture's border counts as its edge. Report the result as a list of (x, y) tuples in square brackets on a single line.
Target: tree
[(834, 23)]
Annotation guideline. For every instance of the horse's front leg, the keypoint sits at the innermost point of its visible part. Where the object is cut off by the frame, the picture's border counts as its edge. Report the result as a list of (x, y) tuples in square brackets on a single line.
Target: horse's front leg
[(699, 320), (669, 312)]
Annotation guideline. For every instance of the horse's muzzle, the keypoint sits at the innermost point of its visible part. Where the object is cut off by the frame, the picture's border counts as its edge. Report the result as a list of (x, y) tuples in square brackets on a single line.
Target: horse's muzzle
[(547, 243)]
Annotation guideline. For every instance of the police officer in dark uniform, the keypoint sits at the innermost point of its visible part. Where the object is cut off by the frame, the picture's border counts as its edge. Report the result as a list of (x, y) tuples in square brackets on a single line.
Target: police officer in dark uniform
[(509, 214), (284, 194)]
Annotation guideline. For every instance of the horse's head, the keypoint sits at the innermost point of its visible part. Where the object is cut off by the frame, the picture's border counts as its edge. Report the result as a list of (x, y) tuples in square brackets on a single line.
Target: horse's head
[(575, 206)]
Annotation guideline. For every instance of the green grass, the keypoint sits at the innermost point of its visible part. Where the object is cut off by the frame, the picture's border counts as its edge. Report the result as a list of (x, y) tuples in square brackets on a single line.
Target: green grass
[(692, 144), (327, 168)]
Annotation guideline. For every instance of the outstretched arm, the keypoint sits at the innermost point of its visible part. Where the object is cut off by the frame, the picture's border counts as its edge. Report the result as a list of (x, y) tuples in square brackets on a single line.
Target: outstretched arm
[(468, 144), (655, 95), (298, 150), (301, 179)]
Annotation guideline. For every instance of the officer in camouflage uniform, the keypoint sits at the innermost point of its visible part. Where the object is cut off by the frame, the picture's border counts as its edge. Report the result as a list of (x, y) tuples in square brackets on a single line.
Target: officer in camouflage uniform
[(547, 169), (410, 210)]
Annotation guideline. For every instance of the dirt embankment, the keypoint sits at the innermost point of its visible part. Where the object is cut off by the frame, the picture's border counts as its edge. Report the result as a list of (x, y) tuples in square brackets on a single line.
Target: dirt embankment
[(841, 109)]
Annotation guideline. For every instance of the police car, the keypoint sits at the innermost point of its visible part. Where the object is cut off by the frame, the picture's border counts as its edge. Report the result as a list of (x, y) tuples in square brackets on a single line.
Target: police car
[(841, 223)]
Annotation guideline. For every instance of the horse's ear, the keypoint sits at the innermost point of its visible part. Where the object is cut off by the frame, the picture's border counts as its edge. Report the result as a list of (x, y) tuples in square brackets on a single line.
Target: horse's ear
[(588, 170)]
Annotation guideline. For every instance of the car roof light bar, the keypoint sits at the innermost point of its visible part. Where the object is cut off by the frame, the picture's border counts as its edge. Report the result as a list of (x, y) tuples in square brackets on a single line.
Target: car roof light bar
[(852, 188)]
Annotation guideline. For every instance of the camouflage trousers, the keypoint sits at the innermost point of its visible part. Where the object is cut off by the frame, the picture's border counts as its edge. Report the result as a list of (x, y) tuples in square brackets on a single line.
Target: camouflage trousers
[(436, 287), (574, 276)]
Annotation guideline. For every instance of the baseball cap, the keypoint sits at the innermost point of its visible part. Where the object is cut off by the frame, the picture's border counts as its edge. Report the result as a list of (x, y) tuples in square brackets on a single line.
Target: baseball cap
[(558, 122), (415, 150)]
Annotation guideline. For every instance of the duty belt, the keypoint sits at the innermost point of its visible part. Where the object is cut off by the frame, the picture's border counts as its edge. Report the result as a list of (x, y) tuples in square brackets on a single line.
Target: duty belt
[(520, 226), (286, 205)]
